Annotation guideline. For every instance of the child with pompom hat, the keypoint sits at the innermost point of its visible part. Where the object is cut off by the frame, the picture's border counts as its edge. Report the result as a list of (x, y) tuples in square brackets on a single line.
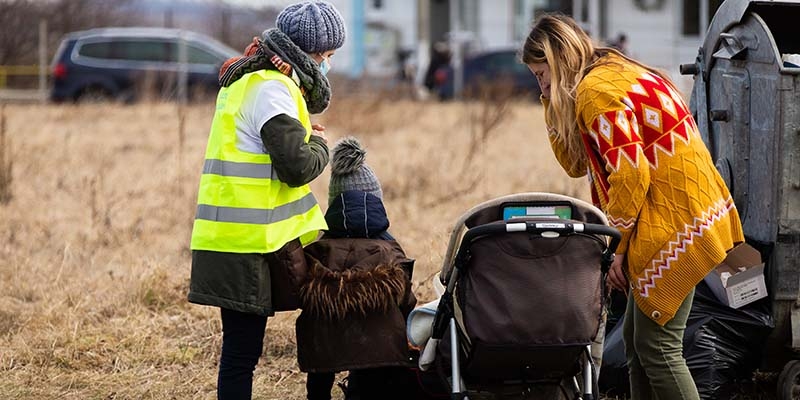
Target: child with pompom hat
[(358, 292)]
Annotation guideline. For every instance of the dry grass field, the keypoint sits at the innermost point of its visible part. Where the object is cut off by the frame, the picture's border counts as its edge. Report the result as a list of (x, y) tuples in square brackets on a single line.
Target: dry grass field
[(94, 257)]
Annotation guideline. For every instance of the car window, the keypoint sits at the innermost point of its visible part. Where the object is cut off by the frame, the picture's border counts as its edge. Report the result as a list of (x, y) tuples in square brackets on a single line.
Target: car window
[(197, 55), (141, 50), (194, 55), (95, 50), (131, 50)]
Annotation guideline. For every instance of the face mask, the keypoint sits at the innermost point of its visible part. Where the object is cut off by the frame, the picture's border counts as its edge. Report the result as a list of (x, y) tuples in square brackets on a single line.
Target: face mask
[(324, 66)]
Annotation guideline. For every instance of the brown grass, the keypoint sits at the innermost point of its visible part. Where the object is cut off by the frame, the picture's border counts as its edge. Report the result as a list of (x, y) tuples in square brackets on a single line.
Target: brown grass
[(94, 257)]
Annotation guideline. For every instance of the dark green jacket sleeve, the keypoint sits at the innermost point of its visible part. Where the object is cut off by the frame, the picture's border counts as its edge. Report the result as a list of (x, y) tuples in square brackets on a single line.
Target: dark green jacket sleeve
[(295, 161)]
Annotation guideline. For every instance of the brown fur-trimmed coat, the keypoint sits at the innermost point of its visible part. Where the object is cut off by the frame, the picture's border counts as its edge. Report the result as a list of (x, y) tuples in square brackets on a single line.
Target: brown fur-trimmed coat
[(355, 303)]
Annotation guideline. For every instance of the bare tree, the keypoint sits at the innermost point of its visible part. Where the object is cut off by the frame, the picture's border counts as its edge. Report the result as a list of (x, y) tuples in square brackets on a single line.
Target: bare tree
[(236, 26), (72, 15), (233, 25), (18, 42), (17, 39)]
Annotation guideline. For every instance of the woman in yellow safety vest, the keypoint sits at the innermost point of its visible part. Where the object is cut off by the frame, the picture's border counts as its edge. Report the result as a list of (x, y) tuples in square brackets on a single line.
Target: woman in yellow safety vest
[(255, 209)]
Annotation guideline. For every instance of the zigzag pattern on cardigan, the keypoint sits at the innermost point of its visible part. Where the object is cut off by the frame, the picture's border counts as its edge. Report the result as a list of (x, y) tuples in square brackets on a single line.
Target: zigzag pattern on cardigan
[(621, 222), (651, 127), (662, 262)]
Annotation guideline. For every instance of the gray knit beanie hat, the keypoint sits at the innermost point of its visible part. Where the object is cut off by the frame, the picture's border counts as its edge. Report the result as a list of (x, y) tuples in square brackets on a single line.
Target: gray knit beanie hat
[(314, 26), (349, 172)]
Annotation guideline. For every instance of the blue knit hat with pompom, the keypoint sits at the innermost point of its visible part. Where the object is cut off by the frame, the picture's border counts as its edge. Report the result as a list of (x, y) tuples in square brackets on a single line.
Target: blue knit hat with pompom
[(314, 26)]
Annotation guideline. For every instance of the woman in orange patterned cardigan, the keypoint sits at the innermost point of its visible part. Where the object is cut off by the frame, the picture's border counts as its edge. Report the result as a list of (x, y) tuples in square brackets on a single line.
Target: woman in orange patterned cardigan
[(627, 127)]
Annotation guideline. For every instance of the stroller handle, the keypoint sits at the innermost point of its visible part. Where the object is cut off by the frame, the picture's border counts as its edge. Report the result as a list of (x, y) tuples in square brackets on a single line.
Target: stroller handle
[(549, 229), (562, 227)]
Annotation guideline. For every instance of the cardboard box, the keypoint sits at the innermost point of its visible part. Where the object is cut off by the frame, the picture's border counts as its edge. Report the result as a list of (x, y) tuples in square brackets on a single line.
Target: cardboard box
[(745, 277)]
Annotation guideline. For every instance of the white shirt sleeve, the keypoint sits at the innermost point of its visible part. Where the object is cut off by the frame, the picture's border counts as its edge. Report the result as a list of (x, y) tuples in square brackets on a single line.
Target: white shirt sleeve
[(267, 100), (271, 98)]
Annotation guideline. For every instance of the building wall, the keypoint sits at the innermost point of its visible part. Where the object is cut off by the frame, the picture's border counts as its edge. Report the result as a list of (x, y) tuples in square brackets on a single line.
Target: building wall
[(391, 28), (344, 59), (651, 35), (356, 56), (401, 15), (495, 24), (655, 37)]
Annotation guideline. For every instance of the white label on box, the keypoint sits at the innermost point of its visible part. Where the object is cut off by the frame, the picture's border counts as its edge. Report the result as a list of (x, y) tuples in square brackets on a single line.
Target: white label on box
[(746, 292)]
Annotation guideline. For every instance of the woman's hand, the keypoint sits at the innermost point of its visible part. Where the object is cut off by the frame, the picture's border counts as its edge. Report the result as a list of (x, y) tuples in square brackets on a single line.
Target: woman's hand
[(319, 131), (616, 276)]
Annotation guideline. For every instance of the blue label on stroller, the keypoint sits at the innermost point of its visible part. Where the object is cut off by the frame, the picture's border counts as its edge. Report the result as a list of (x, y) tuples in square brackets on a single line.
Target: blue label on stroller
[(555, 212)]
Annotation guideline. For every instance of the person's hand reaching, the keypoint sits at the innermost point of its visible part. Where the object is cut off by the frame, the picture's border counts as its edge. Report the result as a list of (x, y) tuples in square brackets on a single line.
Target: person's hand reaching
[(616, 275), (319, 131)]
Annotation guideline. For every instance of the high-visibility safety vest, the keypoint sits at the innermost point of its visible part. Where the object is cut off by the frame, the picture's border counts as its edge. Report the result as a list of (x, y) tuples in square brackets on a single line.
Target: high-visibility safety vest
[(242, 206)]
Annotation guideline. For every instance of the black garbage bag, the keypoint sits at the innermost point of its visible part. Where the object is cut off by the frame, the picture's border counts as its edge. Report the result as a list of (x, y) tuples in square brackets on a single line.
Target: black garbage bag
[(615, 307), (721, 345), (613, 380)]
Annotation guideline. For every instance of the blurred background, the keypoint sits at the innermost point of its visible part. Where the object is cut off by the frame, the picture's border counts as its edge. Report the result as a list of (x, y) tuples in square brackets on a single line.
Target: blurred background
[(422, 48)]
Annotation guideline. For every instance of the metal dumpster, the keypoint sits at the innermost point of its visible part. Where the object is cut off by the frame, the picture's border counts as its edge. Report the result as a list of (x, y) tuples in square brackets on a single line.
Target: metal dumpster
[(746, 100)]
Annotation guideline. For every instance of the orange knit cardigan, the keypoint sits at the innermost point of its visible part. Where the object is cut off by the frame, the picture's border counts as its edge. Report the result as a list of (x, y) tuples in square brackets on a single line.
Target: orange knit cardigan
[(654, 178)]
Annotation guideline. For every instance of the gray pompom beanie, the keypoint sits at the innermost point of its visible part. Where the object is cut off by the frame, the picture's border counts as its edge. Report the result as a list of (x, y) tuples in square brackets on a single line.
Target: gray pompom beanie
[(314, 26), (349, 172)]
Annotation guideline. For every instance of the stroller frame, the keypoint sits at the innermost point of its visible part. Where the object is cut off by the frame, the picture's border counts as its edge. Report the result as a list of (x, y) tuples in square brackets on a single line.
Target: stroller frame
[(549, 228)]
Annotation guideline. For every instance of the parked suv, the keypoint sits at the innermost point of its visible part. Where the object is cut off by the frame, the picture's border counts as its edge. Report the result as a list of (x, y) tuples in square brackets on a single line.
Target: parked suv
[(125, 63), (493, 74)]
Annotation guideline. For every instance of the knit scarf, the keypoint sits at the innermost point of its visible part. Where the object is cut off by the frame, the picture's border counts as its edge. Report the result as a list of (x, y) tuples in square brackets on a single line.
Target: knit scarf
[(274, 50)]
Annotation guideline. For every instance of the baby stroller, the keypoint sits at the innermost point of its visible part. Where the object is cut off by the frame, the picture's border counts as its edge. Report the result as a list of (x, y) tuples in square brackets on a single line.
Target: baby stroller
[(524, 277)]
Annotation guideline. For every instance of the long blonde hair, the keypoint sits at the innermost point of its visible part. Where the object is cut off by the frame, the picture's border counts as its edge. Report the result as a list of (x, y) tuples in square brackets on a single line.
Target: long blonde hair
[(570, 54)]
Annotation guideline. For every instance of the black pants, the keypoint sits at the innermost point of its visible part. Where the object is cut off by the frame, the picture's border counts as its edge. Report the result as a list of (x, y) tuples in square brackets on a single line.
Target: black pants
[(242, 343), (387, 383), (319, 385)]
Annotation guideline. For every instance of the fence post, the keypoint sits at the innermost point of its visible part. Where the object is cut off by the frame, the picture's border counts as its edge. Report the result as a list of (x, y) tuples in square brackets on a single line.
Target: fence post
[(183, 69), (456, 48), (6, 164), (43, 60)]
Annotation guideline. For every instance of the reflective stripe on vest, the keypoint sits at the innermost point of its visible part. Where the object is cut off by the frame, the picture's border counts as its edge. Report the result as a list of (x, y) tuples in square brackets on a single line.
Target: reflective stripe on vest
[(244, 170), (256, 215), (242, 206)]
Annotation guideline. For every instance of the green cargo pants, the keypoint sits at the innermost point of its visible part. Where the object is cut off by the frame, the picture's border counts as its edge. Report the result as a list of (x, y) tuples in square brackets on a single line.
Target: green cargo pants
[(655, 355)]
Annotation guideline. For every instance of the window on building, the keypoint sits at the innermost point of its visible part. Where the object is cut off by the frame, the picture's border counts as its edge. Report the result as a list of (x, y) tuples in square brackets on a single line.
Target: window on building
[(697, 15), (468, 14), (603, 23), (526, 11), (522, 19)]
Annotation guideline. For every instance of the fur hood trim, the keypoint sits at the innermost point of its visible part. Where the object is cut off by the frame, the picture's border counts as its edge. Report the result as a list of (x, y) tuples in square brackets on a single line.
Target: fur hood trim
[(336, 295)]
